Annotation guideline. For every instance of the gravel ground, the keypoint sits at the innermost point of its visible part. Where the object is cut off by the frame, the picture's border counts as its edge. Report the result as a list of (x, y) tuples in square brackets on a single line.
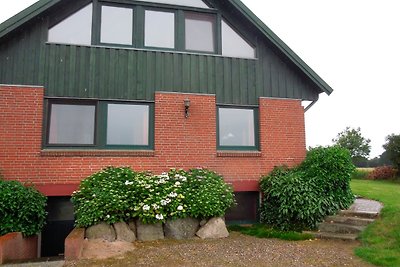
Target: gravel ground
[(236, 250)]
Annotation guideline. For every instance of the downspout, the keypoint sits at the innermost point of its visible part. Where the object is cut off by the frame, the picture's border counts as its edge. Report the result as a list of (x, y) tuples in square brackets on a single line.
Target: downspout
[(310, 105)]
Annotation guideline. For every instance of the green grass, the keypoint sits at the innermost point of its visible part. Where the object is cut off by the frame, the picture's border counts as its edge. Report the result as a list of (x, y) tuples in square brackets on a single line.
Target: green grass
[(381, 240), (263, 231)]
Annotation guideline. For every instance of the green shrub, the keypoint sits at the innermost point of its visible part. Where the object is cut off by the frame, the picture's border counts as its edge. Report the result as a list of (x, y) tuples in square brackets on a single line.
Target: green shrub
[(22, 209), (299, 198), (120, 194)]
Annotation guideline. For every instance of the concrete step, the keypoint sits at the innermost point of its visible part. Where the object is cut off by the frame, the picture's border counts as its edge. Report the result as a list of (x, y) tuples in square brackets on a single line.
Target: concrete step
[(340, 228), (363, 214), (324, 235), (358, 221)]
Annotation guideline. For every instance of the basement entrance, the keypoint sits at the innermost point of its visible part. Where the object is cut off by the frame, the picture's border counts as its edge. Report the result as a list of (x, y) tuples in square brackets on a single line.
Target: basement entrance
[(60, 222)]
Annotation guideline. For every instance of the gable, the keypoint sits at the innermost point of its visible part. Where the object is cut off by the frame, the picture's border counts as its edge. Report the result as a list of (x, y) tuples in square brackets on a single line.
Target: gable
[(257, 65)]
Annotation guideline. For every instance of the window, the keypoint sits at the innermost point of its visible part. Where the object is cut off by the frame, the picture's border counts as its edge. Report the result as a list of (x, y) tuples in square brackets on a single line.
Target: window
[(199, 32), (237, 128), (127, 124), (76, 29), (233, 45), (116, 25), (99, 124), (72, 124), (159, 29), (179, 25)]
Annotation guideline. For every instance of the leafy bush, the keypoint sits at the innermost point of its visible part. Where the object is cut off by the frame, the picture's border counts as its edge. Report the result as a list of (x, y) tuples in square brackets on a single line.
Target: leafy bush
[(299, 198), (382, 173), (120, 194), (22, 209)]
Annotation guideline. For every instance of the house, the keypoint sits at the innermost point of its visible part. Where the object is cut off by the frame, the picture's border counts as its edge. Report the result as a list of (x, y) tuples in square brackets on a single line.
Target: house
[(151, 84)]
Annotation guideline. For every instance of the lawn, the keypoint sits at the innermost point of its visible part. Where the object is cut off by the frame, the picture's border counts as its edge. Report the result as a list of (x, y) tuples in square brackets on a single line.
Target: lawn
[(381, 240)]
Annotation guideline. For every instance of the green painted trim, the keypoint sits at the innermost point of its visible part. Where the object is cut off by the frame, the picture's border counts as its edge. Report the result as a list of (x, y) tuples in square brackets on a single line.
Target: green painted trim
[(100, 131), (256, 147), (286, 50), (38, 8)]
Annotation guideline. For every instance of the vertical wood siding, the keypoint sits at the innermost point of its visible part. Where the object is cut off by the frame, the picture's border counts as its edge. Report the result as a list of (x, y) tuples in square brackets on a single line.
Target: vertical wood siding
[(118, 73)]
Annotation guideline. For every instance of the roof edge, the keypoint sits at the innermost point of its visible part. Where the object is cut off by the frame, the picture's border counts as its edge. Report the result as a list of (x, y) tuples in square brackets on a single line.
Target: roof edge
[(25, 15), (286, 50)]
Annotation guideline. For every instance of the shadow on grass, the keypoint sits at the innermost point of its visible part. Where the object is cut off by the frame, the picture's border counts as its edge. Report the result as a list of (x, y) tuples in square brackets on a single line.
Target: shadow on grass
[(265, 231)]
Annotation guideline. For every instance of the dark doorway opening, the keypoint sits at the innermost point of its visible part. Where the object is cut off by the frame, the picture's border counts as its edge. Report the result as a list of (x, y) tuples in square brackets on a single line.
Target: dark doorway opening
[(60, 222), (246, 210)]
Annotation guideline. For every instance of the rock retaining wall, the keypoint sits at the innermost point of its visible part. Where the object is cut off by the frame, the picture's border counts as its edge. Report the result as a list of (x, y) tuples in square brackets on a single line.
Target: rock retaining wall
[(135, 230)]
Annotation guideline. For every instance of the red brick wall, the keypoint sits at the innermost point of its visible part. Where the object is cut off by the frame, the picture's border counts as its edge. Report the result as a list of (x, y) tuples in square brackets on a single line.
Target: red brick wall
[(179, 142)]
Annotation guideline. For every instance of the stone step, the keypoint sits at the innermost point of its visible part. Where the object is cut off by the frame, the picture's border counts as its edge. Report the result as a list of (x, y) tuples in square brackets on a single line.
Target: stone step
[(325, 235), (340, 228), (359, 221), (363, 214)]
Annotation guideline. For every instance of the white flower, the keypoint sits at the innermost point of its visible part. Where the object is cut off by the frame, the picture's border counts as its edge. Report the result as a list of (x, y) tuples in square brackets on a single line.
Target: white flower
[(163, 202), (128, 183), (155, 206), (94, 195), (180, 207), (146, 207), (108, 216), (159, 217), (147, 186), (172, 194), (168, 200), (177, 183)]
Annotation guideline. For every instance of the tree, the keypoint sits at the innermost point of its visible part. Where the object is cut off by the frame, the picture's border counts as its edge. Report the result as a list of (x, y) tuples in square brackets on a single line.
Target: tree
[(352, 139), (392, 147)]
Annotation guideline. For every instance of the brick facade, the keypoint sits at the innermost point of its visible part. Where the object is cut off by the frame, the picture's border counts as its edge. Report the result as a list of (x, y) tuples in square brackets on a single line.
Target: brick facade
[(179, 142)]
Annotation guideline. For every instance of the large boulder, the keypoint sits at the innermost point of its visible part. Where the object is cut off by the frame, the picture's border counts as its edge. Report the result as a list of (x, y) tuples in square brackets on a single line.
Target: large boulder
[(181, 228), (149, 232), (123, 232), (214, 228), (101, 230)]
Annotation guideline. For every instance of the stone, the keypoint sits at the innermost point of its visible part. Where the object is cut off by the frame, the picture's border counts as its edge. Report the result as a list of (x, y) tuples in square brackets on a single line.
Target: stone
[(149, 232), (203, 222), (214, 228), (181, 228), (101, 230), (132, 226), (123, 232)]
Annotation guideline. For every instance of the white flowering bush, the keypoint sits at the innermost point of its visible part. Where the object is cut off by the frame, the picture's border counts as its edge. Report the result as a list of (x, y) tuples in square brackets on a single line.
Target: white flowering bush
[(120, 194)]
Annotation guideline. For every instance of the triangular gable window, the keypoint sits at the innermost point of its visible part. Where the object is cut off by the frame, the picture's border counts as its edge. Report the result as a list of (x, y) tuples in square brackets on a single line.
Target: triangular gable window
[(233, 45), (191, 3), (75, 29)]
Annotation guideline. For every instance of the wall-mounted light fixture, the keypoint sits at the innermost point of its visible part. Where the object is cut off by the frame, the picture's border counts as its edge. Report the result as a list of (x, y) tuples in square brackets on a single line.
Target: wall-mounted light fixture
[(187, 105)]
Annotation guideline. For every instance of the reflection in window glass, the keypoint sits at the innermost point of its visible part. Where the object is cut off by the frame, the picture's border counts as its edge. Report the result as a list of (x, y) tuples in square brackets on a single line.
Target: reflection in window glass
[(199, 32), (236, 127), (76, 29), (72, 124), (159, 29), (127, 124), (233, 45), (192, 3), (116, 25)]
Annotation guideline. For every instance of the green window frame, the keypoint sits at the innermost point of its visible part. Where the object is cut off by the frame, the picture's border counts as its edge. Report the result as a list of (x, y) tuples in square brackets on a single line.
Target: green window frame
[(236, 123), (143, 115)]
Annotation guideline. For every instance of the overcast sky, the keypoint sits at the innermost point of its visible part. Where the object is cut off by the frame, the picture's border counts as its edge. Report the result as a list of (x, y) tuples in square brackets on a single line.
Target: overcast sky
[(354, 45)]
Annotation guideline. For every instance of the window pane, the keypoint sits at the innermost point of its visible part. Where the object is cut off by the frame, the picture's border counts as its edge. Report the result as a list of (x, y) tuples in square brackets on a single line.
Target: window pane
[(236, 127), (72, 124), (199, 32), (116, 25), (233, 45), (128, 124), (159, 29), (192, 3), (76, 29)]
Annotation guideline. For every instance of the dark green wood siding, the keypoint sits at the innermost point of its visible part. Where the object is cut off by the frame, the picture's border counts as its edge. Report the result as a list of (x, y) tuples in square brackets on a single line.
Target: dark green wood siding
[(120, 73)]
